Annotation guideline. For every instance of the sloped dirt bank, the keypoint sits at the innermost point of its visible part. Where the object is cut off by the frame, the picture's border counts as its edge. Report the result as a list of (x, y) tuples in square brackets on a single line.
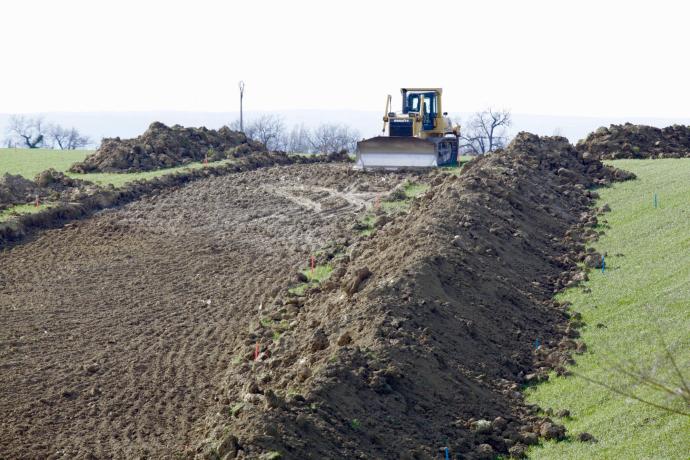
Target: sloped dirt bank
[(162, 146), (637, 141), (78, 199), (425, 331), (116, 327)]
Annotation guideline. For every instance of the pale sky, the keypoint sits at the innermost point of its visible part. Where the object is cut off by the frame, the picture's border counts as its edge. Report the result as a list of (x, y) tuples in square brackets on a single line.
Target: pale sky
[(588, 58)]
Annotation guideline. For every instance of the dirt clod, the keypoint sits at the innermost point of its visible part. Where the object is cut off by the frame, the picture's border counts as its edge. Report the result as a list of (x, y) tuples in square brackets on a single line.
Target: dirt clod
[(549, 430), (499, 423), (319, 340), (344, 339), (594, 260), (586, 437), (353, 285), (518, 451), (563, 413), (485, 451), (481, 426)]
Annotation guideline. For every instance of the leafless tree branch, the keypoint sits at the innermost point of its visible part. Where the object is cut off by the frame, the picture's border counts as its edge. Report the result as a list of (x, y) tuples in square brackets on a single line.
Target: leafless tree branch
[(29, 132), (486, 131), (633, 371)]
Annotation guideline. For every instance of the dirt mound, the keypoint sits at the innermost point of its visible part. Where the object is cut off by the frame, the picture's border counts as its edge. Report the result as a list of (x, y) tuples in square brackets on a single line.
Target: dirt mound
[(47, 185), (162, 146), (15, 189), (637, 141), (421, 336)]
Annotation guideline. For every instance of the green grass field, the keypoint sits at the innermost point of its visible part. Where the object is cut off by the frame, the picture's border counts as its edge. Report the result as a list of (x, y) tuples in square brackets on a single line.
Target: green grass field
[(120, 179), (29, 162), (21, 210), (646, 282)]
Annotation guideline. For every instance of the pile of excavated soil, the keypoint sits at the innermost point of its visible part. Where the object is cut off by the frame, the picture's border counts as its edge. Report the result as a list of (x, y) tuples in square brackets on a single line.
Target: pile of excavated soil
[(163, 146), (637, 141), (117, 328), (422, 335), (15, 189), (49, 184)]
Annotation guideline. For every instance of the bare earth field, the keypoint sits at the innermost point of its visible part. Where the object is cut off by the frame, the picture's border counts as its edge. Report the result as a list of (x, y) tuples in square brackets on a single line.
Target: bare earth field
[(114, 328), (175, 327)]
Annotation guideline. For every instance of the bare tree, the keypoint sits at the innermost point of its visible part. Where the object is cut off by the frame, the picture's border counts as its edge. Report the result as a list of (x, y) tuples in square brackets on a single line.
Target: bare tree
[(666, 377), (328, 138), (267, 129), (27, 131), (66, 139), (235, 125), (486, 131), (298, 140), (58, 135), (75, 140)]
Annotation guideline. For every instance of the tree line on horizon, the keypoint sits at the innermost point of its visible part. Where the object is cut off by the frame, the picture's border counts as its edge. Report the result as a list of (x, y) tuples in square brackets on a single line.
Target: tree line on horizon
[(34, 132), (271, 130), (485, 132)]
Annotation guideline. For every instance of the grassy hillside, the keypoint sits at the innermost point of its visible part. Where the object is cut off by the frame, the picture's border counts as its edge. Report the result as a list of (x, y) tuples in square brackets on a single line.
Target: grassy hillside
[(646, 283), (29, 162), (120, 179)]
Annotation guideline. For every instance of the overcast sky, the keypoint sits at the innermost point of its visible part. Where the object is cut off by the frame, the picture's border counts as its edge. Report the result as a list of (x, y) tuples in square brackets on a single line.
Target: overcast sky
[(590, 58)]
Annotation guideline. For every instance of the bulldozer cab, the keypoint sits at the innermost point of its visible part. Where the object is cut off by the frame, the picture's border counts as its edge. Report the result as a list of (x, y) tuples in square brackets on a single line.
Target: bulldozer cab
[(416, 102)]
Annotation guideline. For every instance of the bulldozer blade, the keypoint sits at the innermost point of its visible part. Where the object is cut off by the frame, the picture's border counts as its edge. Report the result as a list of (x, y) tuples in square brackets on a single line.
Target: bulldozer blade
[(395, 152)]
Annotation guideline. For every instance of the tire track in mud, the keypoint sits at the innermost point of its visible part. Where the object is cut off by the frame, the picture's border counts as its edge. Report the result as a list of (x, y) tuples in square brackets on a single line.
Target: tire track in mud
[(115, 327)]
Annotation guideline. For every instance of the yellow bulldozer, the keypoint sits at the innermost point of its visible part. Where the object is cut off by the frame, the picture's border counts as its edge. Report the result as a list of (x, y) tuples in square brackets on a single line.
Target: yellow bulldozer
[(420, 136)]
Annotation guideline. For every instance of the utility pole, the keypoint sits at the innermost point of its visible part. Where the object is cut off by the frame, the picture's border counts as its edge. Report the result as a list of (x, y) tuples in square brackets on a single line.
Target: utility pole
[(241, 97)]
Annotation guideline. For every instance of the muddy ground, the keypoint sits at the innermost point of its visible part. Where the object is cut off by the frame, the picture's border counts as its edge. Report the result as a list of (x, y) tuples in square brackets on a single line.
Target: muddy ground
[(167, 328), (422, 337), (116, 328)]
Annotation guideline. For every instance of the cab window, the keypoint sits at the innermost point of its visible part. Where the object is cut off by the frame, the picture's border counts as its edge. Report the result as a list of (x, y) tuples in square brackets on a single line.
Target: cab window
[(413, 103)]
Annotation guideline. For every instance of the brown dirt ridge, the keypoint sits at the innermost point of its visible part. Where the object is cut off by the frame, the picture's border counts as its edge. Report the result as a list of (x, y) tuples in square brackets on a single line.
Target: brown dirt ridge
[(425, 331), (162, 146), (637, 141)]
